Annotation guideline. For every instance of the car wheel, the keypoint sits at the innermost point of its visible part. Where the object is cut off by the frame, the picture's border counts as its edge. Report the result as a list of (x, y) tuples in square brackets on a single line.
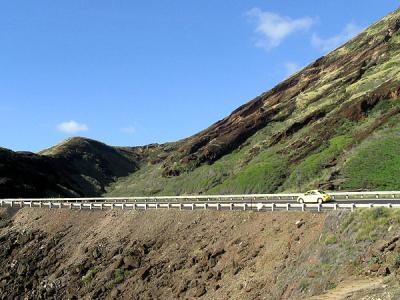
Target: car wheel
[(301, 201), (320, 201)]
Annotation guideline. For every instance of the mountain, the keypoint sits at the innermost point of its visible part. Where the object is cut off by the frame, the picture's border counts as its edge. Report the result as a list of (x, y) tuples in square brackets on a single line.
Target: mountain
[(76, 167), (334, 124)]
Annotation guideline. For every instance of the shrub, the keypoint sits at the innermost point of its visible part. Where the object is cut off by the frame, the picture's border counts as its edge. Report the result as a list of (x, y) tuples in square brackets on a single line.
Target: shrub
[(330, 239), (89, 276), (304, 284), (119, 276), (397, 261)]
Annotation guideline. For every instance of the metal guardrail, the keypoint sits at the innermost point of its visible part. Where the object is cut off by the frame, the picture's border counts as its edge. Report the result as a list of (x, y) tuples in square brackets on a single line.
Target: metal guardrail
[(247, 197), (195, 205)]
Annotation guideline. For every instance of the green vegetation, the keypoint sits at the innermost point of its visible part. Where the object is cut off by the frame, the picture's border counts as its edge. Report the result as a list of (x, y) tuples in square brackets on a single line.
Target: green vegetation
[(312, 168), (371, 224), (266, 175), (397, 261), (119, 276), (330, 239), (88, 277), (304, 284), (376, 163), (349, 243)]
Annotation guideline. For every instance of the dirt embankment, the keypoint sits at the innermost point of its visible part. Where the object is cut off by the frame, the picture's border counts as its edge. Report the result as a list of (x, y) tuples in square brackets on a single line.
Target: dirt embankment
[(63, 254), (149, 255)]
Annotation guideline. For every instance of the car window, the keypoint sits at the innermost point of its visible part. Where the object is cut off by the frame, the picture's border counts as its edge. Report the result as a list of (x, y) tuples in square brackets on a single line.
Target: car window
[(321, 192)]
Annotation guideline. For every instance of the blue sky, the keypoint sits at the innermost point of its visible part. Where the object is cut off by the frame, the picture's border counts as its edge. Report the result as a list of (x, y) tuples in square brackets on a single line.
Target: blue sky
[(130, 72)]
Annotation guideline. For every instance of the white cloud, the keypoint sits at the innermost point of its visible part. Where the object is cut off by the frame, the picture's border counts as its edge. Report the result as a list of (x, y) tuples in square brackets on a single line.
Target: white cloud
[(328, 44), (273, 28), (129, 130), (72, 127), (291, 68)]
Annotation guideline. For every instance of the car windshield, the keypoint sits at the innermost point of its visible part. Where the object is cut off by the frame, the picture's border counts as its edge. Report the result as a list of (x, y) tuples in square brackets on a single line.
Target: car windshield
[(321, 192)]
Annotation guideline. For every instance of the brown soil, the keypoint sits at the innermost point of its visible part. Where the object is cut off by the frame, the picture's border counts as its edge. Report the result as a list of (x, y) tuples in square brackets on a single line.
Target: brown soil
[(149, 255), (352, 288)]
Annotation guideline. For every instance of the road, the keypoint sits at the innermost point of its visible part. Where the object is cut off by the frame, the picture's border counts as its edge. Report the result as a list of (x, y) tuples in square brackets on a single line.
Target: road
[(260, 202)]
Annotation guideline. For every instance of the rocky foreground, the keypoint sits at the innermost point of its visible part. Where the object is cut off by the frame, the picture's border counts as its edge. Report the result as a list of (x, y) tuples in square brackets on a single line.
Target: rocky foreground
[(63, 254)]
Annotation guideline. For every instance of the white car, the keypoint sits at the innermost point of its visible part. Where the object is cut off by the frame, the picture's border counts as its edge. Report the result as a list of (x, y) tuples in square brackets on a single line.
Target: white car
[(314, 196)]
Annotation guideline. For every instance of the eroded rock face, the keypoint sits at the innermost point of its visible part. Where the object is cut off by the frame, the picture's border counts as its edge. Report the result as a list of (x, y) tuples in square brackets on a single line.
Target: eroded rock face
[(59, 254)]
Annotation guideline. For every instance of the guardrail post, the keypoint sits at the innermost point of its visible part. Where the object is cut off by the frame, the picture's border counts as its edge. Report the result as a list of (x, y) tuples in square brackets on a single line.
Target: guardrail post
[(273, 207), (218, 206), (231, 206), (287, 206), (180, 206), (319, 207), (192, 206), (145, 206), (21, 203), (377, 196), (60, 205), (244, 206), (352, 207), (50, 204), (393, 196), (335, 206), (303, 207), (134, 206), (371, 205), (80, 206), (205, 206), (389, 205), (90, 206), (70, 205), (156, 206), (169, 205), (1, 203)]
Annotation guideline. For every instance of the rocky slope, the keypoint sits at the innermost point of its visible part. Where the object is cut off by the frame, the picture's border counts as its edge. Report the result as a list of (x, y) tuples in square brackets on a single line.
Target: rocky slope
[(329, 125), (59, 254)]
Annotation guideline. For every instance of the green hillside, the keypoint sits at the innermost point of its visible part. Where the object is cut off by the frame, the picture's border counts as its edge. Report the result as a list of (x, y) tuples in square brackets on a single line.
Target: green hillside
[(334, 125)]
